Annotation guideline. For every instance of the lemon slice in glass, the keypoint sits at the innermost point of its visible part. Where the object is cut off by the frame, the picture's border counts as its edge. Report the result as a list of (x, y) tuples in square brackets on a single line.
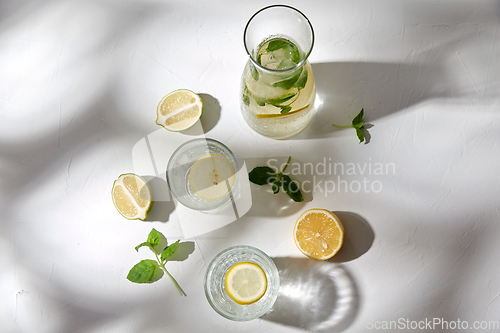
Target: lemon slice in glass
[(132, 196), (245, 283), (318, 234), (212, 176), (179, 110)]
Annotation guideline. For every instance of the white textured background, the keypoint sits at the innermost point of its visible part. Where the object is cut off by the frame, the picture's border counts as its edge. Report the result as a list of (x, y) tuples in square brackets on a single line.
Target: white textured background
[(79, 84)]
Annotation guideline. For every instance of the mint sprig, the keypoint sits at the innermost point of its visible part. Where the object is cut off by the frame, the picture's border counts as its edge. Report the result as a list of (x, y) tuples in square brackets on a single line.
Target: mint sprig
[(148, 271), (264, 175), (358, 125)]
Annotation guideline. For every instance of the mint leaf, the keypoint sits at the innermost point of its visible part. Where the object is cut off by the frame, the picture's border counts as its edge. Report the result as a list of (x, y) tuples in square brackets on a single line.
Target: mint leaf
[(265, 175), (277, 44), (262, 175), (146, 271), (254, 72), (358, 125), (292, 189), (288, 83), (280, 99), (361, 134), (154, 237), (358, 119), (285, 109), (301, 82), (246, 100), (169, 250), (148, 244), (260, 101)]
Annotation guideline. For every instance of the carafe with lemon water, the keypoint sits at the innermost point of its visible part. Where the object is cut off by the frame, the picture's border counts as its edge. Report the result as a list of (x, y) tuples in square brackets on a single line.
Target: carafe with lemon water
[(277, 85)]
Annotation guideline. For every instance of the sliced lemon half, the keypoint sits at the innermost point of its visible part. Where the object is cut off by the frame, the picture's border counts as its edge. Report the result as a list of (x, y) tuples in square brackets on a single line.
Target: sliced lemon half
[(179, 110), (212, 176), (245, 283), (318, 234), (132, 196)]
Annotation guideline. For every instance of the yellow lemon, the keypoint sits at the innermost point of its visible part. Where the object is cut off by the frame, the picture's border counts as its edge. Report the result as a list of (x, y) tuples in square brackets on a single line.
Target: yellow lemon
[(245, 283), (318, 234)]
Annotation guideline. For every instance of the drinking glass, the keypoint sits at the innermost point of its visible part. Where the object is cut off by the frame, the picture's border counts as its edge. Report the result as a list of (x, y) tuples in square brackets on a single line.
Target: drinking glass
[(277, 85), (215, 289), (180, 173)]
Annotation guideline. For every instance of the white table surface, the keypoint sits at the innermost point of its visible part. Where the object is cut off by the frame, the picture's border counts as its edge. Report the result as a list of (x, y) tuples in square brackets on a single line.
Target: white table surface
[(79, 85)]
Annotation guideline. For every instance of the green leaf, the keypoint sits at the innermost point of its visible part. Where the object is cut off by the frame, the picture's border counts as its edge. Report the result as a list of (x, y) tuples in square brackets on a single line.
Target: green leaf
[(285, 109), (291, 188), (146, 271), (246, 100), (148, 244), (361, 134), (262, 175), (295, 54), (301, 82), (288, 83), (169, 250), (277, 44), (254, 72), (357, 120), (154, 237), (259, 58), (281, 99), (260, 101)]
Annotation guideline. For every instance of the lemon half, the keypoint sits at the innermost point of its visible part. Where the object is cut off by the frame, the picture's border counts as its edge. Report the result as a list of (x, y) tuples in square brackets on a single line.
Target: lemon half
[(318, 234), (179, 110), (245, 283), (132, 196)]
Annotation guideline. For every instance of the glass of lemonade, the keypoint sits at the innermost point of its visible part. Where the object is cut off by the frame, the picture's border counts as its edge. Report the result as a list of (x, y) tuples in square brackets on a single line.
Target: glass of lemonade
[(215, 288), (201, 174), (277, 86)]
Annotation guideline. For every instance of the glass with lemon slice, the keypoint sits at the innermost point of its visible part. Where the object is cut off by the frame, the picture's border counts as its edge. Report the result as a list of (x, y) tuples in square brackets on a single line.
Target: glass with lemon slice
[(242, 283), (201, 174)]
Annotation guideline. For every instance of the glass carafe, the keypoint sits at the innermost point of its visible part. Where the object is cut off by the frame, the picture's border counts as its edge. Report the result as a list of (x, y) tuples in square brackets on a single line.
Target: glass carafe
[(277, 85)]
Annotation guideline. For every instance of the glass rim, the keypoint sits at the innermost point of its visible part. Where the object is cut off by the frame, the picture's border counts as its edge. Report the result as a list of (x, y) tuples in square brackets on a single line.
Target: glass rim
[(301, 63)]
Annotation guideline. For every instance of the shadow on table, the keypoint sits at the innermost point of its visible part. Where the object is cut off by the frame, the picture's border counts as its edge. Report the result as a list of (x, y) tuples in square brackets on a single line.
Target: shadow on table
[(358, 237), (209, 117), (315, 296), (163, 205)]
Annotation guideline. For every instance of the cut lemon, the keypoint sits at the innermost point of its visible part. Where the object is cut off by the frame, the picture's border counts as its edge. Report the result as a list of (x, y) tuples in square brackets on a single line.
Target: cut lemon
[(132, 196), (212, 176), (245, 283), (179, 110), (318, 234)]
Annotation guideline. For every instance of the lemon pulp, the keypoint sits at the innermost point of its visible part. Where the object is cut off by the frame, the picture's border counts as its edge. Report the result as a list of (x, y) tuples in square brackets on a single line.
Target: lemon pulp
[(212, 176), (245, 283)]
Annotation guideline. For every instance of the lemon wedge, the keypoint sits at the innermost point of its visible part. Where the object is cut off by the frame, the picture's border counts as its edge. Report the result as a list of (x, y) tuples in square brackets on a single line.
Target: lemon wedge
[(245, 283)]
